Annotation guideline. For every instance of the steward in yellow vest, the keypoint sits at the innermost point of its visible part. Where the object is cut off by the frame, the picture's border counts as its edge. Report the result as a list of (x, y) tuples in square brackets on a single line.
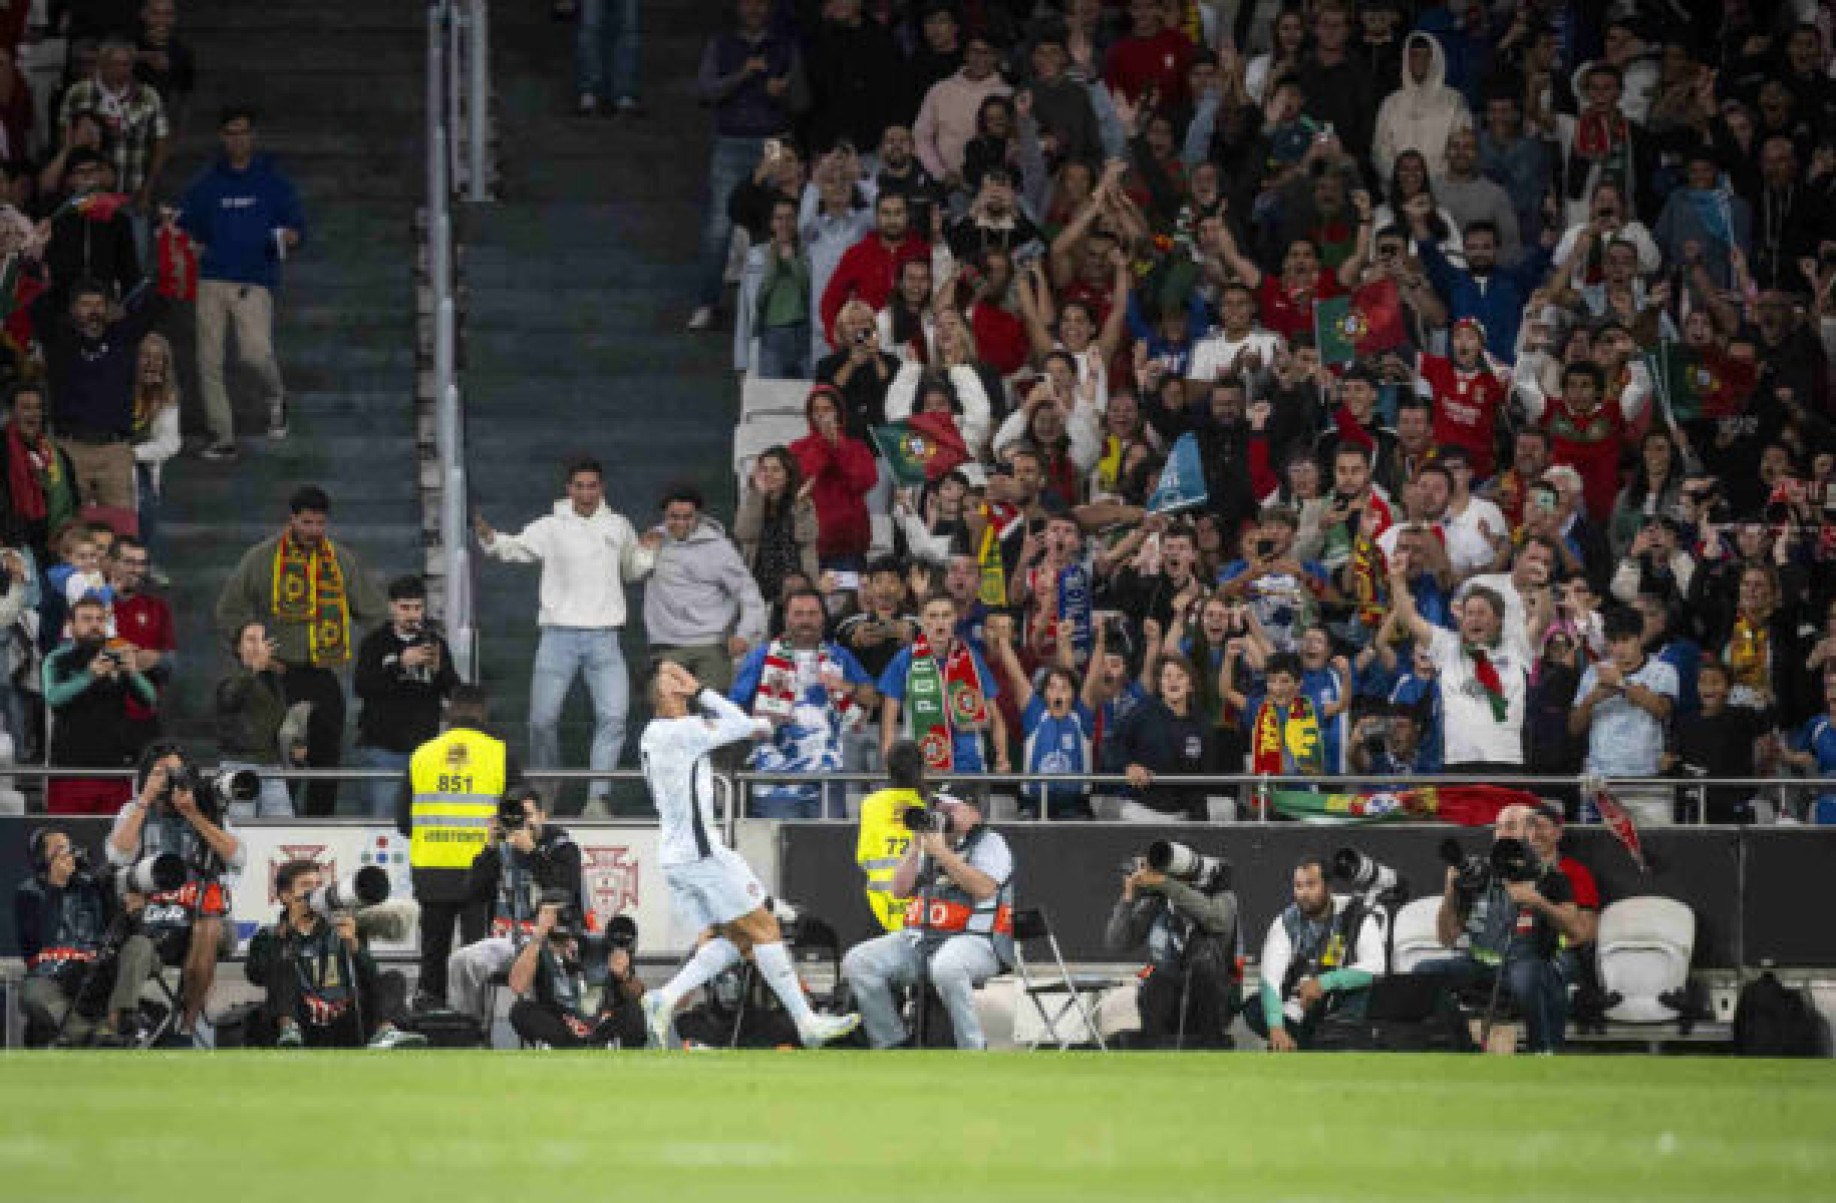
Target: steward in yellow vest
[(884, 836), (455, 781)]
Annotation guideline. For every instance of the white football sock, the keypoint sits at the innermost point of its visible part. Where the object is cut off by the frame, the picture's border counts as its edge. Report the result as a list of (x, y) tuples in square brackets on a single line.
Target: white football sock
[(775, 963), (709, 961)]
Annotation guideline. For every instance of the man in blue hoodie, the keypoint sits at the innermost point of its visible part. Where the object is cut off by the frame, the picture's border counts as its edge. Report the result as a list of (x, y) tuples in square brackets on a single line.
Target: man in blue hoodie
[(246, 218)]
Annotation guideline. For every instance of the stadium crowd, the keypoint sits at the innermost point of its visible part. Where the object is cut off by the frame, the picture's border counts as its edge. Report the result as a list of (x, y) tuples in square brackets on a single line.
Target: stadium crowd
[(1320, 389)]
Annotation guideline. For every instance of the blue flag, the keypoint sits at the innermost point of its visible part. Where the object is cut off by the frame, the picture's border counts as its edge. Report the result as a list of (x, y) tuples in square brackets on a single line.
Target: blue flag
[(1182, 481), (1075, 607)]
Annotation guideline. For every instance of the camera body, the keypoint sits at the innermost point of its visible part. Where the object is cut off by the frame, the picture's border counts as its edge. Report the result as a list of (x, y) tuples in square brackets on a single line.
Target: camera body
[(216, 790), (926, 820), (510, 815), (1509, 860)]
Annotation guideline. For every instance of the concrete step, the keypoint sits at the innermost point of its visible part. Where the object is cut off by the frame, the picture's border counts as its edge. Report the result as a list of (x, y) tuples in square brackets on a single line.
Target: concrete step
[(361, 53)]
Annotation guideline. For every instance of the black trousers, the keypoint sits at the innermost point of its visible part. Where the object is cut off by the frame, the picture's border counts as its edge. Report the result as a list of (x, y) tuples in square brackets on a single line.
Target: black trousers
[(437, 918), (324, 731), (1204, 987), (543, 1023), (376, 1003)]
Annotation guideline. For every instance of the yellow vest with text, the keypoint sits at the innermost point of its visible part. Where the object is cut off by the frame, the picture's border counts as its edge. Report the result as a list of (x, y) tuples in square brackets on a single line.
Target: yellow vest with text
[(457, 780), (881, 846)]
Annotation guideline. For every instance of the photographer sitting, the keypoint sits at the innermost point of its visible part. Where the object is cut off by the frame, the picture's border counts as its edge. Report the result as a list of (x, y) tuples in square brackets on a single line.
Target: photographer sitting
[(527, 861), (1180, 904), (84, 968), (1515, 910), (550, 978), (178, 813), (959, 924), (323, 987), (1317, 962)]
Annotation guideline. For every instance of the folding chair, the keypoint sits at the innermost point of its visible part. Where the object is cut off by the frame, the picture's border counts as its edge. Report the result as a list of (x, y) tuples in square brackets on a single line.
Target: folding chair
[(1030, 926)]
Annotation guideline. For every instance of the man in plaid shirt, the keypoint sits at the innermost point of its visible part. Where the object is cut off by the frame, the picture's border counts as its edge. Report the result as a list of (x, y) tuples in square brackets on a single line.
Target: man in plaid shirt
[(136, 135)]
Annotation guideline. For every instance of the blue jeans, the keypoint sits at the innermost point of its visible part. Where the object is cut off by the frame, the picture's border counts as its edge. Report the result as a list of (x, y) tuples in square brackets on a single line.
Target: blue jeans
[(382, 795), (752, 277), (730, 161), (784, 352), (591, 652), (607, 43), (1535, 986), (275, 801), (892, 962), (808, 803)]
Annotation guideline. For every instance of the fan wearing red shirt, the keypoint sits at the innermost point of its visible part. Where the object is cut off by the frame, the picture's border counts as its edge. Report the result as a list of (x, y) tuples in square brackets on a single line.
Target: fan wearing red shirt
[(1286, 301), (143, 621), (1586, 433), (1467, 396), (870, 267), (1150, 57)]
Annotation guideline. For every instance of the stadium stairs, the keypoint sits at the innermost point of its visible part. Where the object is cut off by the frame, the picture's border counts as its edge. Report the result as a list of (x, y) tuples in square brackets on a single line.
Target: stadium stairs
[(577, 282), (338, 88)]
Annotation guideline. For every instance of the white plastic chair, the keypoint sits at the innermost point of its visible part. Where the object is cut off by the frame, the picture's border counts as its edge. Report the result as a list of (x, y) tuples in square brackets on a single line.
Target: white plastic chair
[(1415, 937), (1645, 945)]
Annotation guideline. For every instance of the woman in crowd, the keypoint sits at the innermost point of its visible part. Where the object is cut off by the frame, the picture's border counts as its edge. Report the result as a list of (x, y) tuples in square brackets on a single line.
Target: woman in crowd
[(840, 469), (251, 711), (776, 525), (156, 430)]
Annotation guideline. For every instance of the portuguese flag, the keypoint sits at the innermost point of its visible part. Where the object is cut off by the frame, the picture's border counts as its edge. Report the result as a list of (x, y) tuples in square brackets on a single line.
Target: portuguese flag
[(1699, 384), (921, 447), (1366, 322), (1465, 805)]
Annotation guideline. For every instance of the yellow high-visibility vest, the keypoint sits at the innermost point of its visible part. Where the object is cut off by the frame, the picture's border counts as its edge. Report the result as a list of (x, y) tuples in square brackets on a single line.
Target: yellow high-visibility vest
[(881, 846), (457, 779)]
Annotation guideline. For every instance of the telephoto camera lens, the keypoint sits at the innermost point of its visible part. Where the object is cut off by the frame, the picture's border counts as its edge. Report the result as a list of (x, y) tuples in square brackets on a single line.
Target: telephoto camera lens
[(154, 874), (1188, 864), (236, 785), (1362, 873), (366, 887)]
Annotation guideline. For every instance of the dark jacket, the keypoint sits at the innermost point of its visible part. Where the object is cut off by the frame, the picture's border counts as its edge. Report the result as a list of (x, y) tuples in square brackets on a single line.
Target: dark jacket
[(401, 706), (84, 249), (76, 915), (1164, 743), (554, 865), (857, 85), (250, 710), (92, 380)]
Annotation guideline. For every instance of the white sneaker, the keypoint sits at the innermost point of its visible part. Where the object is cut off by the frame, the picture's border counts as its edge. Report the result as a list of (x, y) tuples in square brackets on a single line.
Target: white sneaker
[(393, 1037), (587, 105), (656, 1019), (277, 420), (825, 1029), (702, 318)]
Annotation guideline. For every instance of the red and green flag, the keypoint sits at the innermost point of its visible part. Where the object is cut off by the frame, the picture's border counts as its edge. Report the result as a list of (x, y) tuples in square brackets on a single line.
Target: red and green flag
[(921, 448), (95, 206), (1365, 322), (1465, 805), (1697, 383)]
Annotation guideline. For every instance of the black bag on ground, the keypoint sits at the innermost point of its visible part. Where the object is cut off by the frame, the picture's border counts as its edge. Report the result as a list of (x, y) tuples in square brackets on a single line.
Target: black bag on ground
[(446, 1029), (1773, 1020)]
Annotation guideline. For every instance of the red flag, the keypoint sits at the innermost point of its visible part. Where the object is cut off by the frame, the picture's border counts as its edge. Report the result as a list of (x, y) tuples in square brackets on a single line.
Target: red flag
[(100, 206), (178, 264), (1620, 823), (1378, 307), (941, 429)]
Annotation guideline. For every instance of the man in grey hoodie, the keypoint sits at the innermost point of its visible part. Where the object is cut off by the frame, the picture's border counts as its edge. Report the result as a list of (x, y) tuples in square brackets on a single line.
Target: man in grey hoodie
[(702, 608)]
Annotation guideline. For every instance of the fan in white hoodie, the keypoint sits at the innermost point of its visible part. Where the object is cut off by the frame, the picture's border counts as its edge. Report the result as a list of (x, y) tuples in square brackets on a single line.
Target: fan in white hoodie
[(1422, 112), (588, 554)]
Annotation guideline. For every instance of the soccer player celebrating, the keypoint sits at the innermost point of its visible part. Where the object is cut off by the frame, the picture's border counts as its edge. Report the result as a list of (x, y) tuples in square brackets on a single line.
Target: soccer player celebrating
[(710, 886)]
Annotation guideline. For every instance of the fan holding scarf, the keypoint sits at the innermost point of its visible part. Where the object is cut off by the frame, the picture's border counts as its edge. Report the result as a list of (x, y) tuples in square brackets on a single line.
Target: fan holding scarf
[(946, 694), (311, 594)]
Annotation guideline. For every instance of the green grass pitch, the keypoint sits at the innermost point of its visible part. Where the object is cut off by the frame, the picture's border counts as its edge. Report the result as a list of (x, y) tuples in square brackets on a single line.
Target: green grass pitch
[(856, 1127)]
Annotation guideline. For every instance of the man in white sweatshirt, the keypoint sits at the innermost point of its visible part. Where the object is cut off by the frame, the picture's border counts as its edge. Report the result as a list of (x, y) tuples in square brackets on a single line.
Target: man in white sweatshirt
[(588, 554)]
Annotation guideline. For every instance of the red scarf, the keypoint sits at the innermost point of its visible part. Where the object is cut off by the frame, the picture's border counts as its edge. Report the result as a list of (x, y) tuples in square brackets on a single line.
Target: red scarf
[(1486, 673), (1275, 740), (28, 495), (963, 705), (1598, 134), (1351, 430)]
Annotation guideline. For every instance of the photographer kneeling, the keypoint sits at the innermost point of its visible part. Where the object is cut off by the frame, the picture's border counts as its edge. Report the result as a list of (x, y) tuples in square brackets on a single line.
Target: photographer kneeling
[(323, 987), (527, 862), (180, 813), (1515, 910), (1180, 904), (1317, 962), (959, 924), (85, 965), (550, 976)]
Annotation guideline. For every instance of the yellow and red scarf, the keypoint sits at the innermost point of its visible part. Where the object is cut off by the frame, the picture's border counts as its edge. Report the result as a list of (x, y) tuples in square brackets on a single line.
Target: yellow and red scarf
[(1369, 569), (1750, 654), (1278, 741), (309, 588)]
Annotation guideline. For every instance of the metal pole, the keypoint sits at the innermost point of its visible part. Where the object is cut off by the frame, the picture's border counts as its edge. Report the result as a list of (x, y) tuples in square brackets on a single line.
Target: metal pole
[(478, 97), (455, 32)]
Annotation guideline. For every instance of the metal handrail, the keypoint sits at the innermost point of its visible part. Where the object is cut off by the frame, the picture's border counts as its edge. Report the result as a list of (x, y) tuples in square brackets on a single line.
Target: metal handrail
[(457, 79)]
